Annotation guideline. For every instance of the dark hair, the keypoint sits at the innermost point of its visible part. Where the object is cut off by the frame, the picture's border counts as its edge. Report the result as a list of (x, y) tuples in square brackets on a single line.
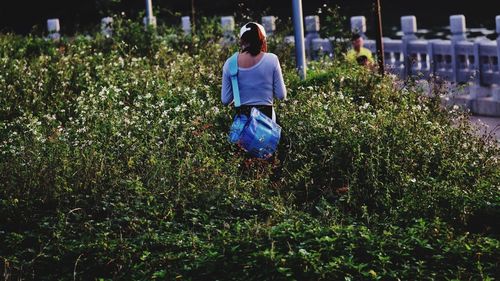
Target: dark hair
[(362, 60), (355, 36), (253, 40)]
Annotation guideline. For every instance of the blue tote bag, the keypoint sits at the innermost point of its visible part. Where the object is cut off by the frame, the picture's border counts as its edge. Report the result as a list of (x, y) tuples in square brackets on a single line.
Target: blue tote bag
[(257, 134)]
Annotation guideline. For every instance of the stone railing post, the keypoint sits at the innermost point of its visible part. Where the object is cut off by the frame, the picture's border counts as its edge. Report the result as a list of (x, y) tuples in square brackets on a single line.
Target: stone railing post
[(430, 54), (457, 28), (495, 91), (186, 25), (269, 23), (477, 63), (312, 24), (228, 26), (358, 25), (497, 19), (409, 28), (107, 26), (54, 28), (312, 32)]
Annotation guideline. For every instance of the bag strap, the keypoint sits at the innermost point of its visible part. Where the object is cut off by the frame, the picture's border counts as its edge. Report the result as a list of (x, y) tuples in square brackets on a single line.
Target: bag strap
[(233, 71)]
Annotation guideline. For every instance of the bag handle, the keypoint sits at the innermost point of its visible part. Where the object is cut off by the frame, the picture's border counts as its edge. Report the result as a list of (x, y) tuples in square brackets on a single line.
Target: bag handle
[(267, 124), (233, 71)]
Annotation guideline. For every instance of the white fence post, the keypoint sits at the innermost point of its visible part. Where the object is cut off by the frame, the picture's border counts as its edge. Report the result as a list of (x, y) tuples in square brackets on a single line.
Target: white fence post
[(477, 63), (497, 19), (409, 28), (227, 24), (54, 28), (358, 25), (312, 32), (430, 55), (457, 28), (106, 26), (269, 23), (312, 24), (186, 25)]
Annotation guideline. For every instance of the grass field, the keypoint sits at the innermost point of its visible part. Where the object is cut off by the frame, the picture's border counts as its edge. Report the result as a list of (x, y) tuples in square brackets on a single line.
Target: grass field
[(115, 164)]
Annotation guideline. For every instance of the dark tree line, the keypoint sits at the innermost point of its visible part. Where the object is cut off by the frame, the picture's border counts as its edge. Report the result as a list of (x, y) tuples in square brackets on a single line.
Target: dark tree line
[(22, 15)]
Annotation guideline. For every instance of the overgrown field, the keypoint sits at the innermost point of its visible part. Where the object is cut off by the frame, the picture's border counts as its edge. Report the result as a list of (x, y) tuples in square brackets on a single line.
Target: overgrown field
[(115, 164)]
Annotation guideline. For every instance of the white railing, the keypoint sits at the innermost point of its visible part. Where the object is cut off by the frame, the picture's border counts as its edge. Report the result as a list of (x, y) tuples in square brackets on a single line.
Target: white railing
[(457, 60)]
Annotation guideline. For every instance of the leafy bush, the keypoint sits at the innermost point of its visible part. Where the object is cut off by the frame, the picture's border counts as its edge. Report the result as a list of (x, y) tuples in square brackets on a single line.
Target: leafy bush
[(114, 163)]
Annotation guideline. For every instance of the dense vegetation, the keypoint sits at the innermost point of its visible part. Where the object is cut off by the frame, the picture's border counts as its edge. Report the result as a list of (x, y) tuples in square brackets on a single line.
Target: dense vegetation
[(115, 164)]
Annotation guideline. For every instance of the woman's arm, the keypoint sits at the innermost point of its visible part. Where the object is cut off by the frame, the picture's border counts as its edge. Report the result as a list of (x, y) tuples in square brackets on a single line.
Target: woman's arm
[(278, 82), (227, 90)]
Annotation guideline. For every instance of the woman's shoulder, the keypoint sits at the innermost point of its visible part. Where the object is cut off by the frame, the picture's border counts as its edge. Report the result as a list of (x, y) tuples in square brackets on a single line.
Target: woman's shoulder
[(227, 60), (272, 58), (225, 67)]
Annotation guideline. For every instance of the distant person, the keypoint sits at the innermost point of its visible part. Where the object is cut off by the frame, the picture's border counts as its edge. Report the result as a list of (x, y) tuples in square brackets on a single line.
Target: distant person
[(362, 60), (260, 79), (356, 54)]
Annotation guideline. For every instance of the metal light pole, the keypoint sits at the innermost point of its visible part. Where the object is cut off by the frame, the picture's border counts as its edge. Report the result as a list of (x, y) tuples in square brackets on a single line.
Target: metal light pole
[(149, 9), (380, 45), (149, 19), (298, 26)]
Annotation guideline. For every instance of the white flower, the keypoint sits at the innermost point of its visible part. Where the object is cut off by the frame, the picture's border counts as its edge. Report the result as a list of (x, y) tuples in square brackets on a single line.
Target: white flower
[(364, 106)]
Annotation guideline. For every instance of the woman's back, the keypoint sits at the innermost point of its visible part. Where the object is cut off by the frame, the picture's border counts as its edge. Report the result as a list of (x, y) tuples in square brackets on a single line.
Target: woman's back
[(246, 60), (258, 84)]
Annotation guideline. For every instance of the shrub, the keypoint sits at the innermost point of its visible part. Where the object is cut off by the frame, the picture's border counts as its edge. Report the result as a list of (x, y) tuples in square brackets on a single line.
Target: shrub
[(114, 163)]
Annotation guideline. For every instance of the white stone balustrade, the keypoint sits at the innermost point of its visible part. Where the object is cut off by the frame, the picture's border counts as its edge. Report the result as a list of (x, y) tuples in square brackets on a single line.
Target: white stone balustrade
[(495, 93), (457, 27), (459, 60), (409, 28), (186, 25), (228, 29), (456, 60), (312, 33), (358, 25), (227, 24), (498, 24), (107, 26), (54, 27), (312, 24), (269, 24), (409, 25)]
